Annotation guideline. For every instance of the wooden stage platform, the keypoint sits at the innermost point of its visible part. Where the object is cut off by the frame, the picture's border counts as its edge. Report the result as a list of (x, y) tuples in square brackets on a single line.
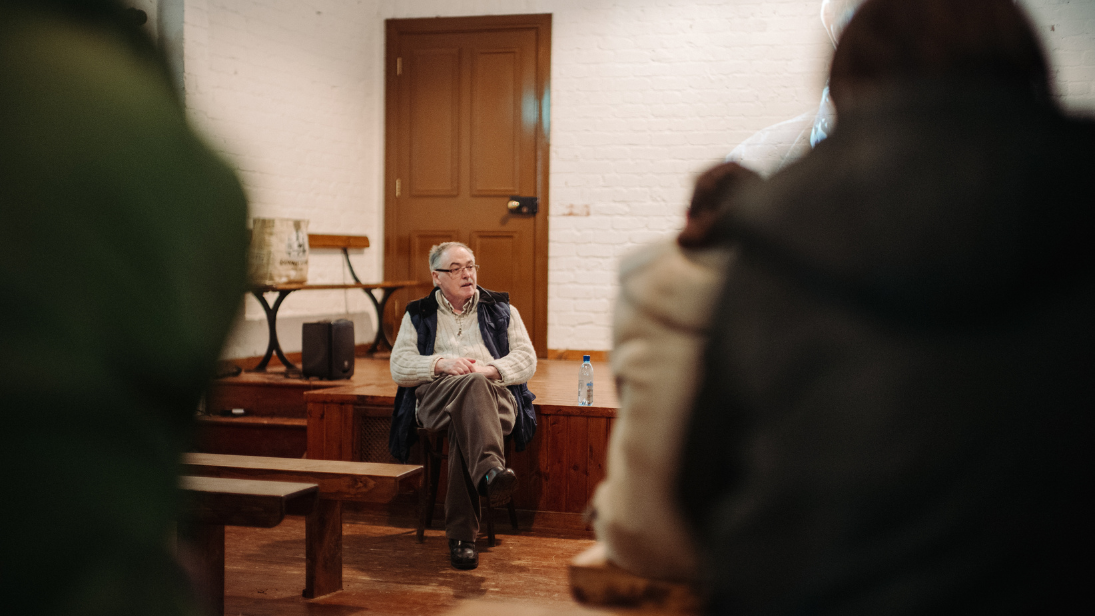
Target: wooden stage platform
[(349, 420)]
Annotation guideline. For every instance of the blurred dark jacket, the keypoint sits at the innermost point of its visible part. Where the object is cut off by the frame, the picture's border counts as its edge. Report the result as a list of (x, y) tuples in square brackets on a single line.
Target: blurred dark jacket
[(122, 265), (896, 415)]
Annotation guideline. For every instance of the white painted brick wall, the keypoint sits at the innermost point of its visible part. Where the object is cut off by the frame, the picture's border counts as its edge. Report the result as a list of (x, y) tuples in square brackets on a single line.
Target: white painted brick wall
[(1067, 28), (287, 91), (645, 94)]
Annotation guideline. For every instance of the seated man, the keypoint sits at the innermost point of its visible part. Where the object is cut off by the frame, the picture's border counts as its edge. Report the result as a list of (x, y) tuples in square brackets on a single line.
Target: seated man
[(461, 359)]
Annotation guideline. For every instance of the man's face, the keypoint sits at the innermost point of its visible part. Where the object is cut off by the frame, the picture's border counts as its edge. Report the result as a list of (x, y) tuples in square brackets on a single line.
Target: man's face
[(459, 287)]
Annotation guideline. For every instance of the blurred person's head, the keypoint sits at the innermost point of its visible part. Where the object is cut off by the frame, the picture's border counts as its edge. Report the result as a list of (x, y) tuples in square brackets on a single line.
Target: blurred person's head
[(710, 200), (960, 41), (104, 16)]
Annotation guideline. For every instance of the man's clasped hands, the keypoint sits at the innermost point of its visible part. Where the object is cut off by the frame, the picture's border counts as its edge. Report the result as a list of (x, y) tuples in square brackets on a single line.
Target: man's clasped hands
[(463, 365)]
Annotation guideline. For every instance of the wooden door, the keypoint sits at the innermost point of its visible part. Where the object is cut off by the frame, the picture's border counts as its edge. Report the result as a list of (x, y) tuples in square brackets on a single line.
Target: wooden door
[(467, 129)]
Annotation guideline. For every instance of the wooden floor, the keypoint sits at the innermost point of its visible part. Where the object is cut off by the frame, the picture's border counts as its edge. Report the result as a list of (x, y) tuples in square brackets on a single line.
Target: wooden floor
[(385, 571)]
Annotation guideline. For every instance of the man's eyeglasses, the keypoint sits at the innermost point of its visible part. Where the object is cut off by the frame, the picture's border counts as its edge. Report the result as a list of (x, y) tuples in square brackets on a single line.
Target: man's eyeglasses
[(456, 270)]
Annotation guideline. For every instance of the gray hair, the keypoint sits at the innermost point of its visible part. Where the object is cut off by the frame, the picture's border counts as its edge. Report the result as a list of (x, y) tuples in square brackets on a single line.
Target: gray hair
[(438, 250)]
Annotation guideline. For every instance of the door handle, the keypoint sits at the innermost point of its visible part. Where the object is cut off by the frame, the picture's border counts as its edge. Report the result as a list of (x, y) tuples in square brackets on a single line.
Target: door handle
[(523, 205)]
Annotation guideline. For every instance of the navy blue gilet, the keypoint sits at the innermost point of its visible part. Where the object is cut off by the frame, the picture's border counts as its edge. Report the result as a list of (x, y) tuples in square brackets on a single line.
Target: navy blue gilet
[(494, 314)]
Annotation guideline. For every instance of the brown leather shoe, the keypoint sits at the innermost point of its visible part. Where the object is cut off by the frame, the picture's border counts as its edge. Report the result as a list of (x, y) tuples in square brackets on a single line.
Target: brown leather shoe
[(463, 554)]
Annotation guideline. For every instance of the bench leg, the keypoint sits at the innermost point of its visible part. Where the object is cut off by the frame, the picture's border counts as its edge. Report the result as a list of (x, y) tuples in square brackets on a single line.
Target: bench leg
[(512, 513), (488, 512), (424, 499), (207, 541), (432, 454), (323, 549)]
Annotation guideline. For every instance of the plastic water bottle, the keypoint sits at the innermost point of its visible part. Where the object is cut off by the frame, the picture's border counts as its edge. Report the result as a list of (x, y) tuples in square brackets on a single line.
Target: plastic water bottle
[(585, 382)]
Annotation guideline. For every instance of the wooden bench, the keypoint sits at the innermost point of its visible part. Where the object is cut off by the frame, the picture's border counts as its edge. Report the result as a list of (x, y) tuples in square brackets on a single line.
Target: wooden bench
[(596, 581), (213, 503), (337, 480), (345, 243)]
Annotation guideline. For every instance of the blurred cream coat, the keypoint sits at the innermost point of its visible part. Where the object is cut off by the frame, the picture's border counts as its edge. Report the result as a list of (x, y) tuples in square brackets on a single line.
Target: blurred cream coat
[(665, 300)]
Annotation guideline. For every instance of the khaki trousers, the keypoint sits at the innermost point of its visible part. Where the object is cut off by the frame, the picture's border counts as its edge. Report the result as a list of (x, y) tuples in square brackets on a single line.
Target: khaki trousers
[(478, 413)]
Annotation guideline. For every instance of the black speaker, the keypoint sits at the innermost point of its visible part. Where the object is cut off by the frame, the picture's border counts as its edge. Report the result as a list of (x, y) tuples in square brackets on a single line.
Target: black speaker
[(328, 349)]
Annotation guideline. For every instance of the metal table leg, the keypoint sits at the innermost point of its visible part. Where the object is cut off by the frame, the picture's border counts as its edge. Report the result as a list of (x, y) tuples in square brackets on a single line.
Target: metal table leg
[(272, 346), (381, 339), (380, 342)]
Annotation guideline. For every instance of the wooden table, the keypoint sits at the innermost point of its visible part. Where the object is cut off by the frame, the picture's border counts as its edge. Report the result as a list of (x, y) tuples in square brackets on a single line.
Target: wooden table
[(337, 481), (345, 243), (380, 341), (213, 503)]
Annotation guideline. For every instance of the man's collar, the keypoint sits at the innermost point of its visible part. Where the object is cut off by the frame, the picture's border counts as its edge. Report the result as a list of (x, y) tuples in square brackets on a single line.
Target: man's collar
[(469, 306)]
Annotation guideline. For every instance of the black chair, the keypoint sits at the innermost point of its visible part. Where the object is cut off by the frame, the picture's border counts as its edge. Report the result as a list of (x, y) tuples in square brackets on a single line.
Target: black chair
[(433, 448)]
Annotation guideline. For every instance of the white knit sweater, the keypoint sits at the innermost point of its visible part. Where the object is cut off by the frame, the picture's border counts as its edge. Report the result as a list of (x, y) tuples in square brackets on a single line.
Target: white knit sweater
[(458, 336)]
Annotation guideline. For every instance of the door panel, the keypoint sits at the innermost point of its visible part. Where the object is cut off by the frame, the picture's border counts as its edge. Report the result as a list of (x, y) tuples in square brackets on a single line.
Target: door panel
[(496, 132), (434, 100), (466, 130), (499, 247)]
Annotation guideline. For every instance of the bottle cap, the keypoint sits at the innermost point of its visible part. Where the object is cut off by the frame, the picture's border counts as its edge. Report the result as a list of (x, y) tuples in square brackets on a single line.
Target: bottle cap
[(585, 358)]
